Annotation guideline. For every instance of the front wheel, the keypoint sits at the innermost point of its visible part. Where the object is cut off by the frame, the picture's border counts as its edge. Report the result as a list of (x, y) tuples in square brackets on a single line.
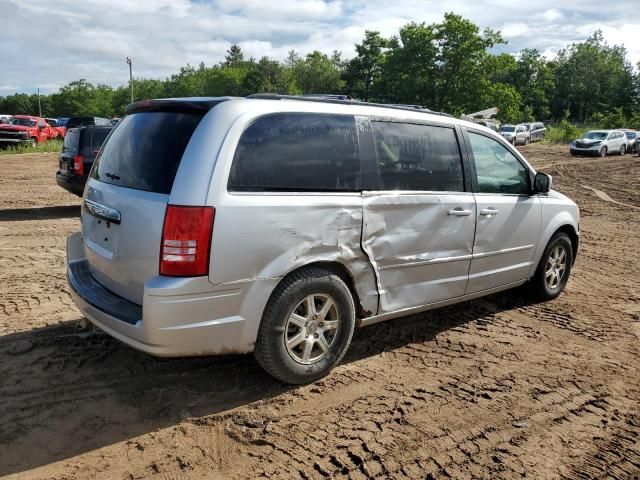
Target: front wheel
[(603, 152), (526, 141), (554, 268), (33, 142), (307, 326), (623, 149)]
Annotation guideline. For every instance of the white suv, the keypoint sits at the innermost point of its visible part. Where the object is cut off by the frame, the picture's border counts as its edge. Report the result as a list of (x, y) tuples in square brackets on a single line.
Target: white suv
[(277, 224), (600, 142)]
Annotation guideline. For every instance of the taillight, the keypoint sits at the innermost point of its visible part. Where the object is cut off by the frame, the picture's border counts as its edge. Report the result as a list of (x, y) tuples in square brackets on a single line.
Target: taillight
[(186, 241), (78, 166)]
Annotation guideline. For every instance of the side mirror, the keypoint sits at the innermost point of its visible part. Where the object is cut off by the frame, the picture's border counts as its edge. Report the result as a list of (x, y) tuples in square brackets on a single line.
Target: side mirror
[(542, 183)]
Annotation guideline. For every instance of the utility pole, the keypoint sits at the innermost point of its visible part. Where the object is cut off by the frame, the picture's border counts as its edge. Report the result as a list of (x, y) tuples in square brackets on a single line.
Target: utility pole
[(39, 105), (130, 62)]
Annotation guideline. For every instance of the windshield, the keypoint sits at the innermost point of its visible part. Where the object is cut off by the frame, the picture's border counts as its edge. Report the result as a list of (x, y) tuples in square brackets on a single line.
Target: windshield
[(596, 135), (507, 129), (24, 122)]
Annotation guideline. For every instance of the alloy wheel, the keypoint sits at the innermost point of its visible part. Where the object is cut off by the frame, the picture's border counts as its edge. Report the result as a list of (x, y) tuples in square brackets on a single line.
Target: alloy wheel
[(311, 328), (556, 267)]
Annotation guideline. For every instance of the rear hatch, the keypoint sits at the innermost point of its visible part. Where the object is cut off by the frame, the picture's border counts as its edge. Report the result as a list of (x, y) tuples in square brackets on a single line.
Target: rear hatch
[(127, 195)]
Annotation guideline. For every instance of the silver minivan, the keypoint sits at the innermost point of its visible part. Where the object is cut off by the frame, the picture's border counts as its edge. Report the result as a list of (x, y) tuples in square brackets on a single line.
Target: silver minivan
[(515, 134), (278, 224)]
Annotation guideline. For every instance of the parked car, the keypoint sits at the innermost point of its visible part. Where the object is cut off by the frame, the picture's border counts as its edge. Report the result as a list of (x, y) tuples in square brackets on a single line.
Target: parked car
[(600, 142), (26, 129), (75, 122), (536, 130), (515, 134), (633, 139), (79, 151), (53, 123), (277, 224), (5, 119)]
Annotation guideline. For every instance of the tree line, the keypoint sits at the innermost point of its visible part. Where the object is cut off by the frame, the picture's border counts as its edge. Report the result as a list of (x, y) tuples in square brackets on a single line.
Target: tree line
[(449, 66)]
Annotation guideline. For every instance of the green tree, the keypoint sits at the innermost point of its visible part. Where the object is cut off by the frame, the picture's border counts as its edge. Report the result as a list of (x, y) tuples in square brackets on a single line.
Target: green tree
[(534, 79), (19, 104), (462, 52), (269, 76), (234, 56), (318, 73), (83, 98), (592, 76), (409, 70), (363, 70)]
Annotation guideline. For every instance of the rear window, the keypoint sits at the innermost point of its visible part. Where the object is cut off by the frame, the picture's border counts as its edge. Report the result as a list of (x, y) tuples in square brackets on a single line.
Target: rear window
[(71, 140), (98, 138), (145, 149), (297, 152), (79, 122)]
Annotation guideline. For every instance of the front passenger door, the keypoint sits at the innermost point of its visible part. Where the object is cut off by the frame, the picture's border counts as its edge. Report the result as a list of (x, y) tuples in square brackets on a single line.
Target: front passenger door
[(508, 217)]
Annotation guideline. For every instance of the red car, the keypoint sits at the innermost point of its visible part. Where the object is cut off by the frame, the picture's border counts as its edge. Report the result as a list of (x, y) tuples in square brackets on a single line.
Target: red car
[(53, 123), (26, 129)]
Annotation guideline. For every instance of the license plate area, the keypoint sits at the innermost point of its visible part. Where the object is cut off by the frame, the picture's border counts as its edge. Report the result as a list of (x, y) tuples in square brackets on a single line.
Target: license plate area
[(102, 236)]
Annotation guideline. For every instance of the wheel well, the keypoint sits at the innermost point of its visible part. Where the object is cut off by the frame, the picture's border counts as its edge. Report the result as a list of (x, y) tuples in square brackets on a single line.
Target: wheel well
[(573, 236), (341, 271)]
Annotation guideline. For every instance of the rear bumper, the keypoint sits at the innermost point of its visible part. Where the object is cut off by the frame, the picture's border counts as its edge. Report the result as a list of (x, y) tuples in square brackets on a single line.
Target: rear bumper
[(172, 321), (74, 184)]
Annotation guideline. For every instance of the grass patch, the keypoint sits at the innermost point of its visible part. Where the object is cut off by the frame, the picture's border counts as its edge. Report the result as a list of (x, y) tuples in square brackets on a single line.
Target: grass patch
[(566, 132), (48, 146)]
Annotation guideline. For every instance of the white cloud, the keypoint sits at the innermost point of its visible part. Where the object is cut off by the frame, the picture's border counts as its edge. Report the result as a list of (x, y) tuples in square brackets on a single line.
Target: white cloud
[(90, 39), (552, 15), (518, 29)]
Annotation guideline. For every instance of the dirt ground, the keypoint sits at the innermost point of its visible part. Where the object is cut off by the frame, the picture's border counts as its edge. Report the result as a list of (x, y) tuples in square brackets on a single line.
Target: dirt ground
[(494, 388)]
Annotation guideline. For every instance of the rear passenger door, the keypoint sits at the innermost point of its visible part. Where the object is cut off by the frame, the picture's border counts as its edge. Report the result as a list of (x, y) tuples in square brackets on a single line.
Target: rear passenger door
[(419, 225), (508, 216)]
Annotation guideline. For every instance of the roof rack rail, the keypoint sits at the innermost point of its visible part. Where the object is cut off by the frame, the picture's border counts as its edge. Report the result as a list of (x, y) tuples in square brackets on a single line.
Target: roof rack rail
[(329, 98)]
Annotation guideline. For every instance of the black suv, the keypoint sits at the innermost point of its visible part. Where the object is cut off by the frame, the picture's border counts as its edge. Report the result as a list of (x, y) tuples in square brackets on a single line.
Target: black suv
[(79, 150), (74, 122)]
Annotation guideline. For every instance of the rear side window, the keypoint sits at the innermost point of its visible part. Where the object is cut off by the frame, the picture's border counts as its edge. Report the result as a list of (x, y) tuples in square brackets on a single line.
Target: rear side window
[(145, 149), (98, 138), (71, 140), (418, 157), (297, 152)]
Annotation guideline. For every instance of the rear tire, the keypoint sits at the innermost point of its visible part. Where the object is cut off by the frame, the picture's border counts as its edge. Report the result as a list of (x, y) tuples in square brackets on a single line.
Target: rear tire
[(603, 152), (306, 327), (554, 268), (623, 149), (526, 141)]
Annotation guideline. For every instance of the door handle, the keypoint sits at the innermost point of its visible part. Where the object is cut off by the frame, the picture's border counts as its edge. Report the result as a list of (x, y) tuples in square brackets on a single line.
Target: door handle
[(459, 212), (488, 212)]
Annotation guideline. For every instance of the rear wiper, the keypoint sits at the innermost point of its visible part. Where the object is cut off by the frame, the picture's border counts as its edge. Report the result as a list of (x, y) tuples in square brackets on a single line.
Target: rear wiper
[(112, 176)]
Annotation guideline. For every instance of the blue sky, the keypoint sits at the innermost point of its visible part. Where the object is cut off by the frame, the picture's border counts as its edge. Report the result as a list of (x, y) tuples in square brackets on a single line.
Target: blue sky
[(48, 43)]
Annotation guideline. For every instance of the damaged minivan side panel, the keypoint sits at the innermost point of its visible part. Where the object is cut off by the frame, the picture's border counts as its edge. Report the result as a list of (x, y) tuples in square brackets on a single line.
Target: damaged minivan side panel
[(295, 215), (419, 225)]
